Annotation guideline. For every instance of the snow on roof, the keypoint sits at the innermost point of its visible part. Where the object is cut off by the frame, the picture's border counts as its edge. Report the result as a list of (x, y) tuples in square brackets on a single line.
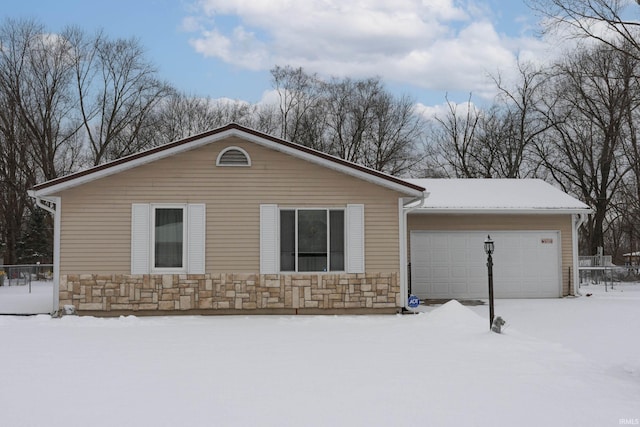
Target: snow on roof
[(496, 195)]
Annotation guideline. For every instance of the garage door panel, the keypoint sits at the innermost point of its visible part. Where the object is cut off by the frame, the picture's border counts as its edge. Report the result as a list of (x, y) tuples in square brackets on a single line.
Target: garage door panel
[(440, 273), (459, 273), (453, 264), (479, 272), (458, 287)]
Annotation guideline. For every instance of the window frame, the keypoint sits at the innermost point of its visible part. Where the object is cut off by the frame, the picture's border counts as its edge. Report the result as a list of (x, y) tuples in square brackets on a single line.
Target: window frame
[(328, 211), (152, 238)]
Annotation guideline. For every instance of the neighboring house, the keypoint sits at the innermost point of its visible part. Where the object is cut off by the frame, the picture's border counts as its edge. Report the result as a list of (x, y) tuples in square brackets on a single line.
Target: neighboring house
[(234, 220)]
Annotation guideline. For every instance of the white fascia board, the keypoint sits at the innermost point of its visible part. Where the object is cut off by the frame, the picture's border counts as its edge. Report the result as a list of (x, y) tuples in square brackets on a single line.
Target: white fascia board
[(125, 165), (498, 211), (108, 171), (331, 165)]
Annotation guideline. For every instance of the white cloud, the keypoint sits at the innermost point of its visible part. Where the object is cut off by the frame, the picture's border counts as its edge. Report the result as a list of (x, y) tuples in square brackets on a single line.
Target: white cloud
[(443, 110), (432, 44)]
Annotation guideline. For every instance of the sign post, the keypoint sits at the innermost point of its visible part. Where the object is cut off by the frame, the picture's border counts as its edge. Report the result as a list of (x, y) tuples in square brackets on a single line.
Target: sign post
[(414, 301)]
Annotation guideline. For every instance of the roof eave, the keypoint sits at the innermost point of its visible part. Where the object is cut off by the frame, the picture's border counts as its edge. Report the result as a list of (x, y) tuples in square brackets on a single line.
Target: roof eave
[(503, 211), (233, 130)]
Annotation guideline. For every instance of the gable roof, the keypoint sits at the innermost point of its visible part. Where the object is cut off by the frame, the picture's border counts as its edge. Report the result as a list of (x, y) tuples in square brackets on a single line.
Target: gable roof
[(231, 130), (496, 196)]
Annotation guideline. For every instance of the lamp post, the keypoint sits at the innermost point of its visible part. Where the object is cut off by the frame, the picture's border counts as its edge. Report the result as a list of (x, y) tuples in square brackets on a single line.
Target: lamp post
[(488, 248)]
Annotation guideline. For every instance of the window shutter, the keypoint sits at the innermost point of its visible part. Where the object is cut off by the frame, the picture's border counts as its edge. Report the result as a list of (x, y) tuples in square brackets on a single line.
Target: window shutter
[(196, 240), (269, 239), (355, 238), (140, 239)]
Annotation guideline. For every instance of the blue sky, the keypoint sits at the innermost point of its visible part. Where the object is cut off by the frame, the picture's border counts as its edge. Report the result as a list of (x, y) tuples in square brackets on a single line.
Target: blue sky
[(225, 48)]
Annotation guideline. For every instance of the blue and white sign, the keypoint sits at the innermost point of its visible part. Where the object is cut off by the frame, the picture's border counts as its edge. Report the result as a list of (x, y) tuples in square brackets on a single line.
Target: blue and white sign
[(414, 301)]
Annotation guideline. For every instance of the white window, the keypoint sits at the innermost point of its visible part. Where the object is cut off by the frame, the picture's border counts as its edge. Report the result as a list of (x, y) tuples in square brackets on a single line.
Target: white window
[(233, 156), (167, 238), (309, 240)]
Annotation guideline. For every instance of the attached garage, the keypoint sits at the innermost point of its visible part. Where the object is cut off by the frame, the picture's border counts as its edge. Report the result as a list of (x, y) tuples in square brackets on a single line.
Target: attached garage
[(452, 264), (533, 225)]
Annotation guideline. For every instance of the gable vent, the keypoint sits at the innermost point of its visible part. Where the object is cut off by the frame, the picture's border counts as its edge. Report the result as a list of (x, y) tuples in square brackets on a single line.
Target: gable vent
[(233, 156)]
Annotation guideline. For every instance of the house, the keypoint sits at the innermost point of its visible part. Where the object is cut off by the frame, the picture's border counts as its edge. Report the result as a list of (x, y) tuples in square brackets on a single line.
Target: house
[(234, 220)]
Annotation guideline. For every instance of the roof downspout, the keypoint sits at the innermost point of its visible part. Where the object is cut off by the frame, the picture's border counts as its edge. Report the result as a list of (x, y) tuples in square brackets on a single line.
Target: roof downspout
[(53, 205), (578, 220), (403, 212)]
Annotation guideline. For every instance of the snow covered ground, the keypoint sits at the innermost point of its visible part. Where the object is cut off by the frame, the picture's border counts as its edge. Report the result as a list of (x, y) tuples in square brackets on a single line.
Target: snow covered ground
[(18, 300), (561, 362)]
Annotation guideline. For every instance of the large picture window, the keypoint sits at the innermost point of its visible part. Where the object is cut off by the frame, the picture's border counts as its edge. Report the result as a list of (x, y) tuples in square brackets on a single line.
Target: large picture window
[(312, 240)]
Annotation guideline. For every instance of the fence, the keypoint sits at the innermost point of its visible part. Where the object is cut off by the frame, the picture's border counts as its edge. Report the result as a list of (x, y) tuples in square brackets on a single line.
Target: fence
[(21, 275), (597, 268), (595, 261)]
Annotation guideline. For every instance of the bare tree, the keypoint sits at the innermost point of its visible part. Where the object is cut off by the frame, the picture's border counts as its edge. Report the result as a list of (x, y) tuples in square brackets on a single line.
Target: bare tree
[(455, 140), (393, 135), (607, 21), (35, 72), (118, 90), (357, 120), (522, 119), (299, 96), (349, 112), (265, 119), (17, 175), (584, 151), (179, 116), (499, 140), (37, 125), (628, 203)]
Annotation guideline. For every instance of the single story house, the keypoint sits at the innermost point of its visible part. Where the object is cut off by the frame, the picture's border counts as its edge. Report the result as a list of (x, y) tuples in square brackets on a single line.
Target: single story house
[(236, 221)]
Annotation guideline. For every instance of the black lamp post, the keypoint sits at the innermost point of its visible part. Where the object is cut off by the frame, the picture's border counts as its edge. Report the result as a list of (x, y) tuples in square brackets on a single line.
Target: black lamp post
[(488, 248)]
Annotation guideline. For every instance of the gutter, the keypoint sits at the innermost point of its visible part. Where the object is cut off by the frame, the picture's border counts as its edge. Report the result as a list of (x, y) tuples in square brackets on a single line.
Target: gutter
[(403, 211), (52, 204), (578, 220), (506, 211)]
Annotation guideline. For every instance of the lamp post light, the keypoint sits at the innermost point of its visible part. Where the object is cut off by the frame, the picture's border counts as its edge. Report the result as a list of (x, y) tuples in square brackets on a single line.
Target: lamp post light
[(488, 248)]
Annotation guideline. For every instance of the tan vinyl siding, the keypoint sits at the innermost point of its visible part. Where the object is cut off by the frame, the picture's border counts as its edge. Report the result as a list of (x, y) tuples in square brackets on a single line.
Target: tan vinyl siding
[(96, 217), (481, 222)]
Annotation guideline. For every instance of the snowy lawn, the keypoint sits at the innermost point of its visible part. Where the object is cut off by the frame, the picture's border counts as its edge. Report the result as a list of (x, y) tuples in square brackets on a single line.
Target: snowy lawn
[(18, 300), (565, 362)]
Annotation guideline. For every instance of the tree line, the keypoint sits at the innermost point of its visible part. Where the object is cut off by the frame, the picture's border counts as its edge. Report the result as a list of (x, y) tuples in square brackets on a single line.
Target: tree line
[(73, 100)]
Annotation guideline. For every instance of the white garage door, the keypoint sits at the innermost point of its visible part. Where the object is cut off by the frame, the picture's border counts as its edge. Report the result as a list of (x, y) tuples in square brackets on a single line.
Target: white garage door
[(454, 265)]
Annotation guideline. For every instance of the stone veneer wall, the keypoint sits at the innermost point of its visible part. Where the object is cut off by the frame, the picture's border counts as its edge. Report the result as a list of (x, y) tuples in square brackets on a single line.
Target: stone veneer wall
[(89, 292)]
